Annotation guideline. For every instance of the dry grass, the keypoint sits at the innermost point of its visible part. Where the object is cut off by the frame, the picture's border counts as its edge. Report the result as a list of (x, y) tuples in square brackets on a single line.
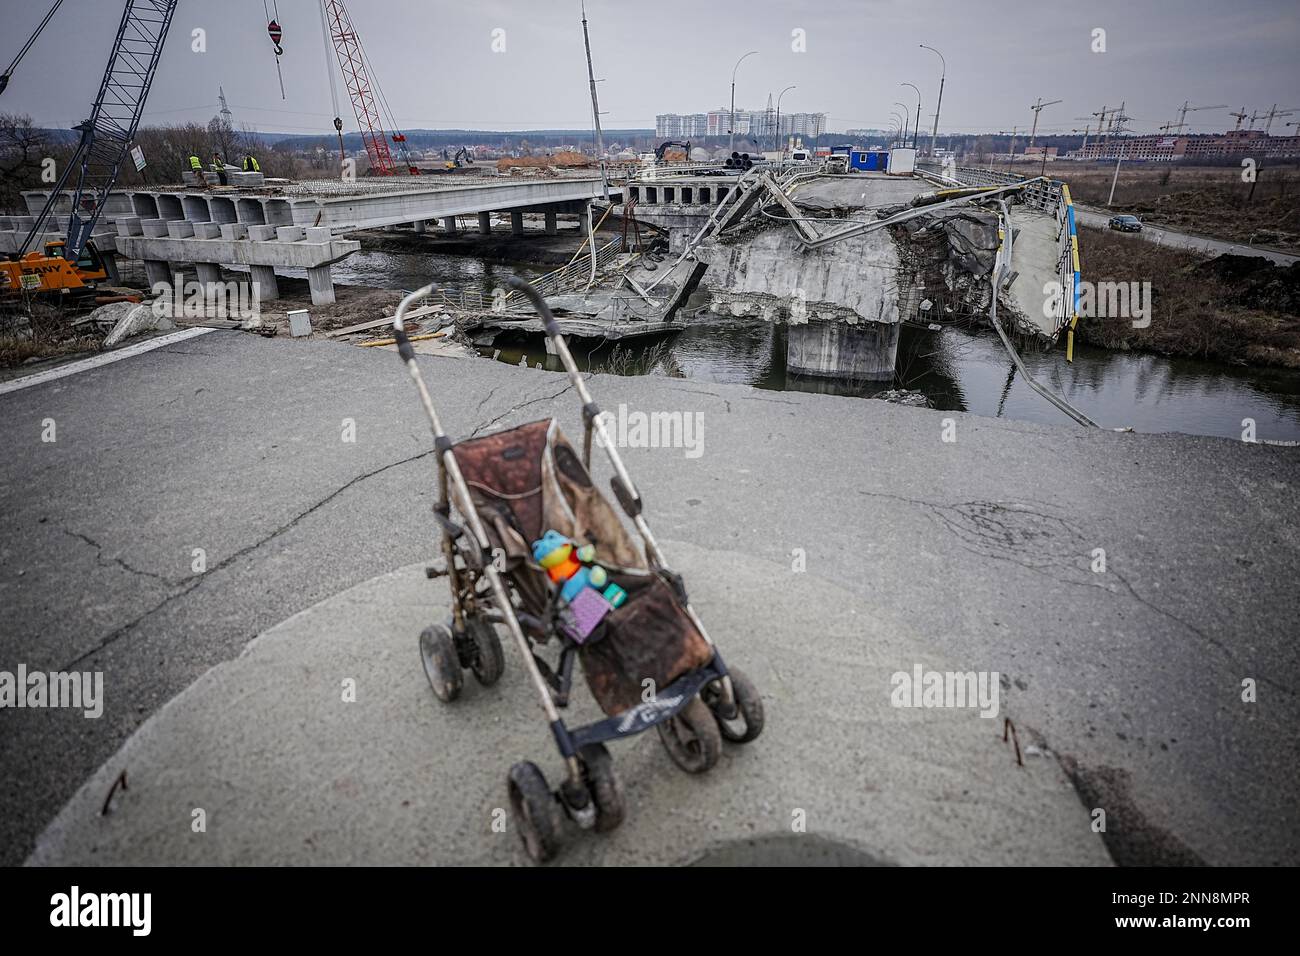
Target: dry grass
[(51, 335), (1193, 314)]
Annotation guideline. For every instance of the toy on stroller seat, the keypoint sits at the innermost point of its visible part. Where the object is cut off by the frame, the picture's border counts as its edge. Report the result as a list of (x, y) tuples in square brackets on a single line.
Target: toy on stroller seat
[(534, 546)]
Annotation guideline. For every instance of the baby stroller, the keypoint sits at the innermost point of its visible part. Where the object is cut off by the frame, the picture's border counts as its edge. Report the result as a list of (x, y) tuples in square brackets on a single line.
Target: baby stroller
[(647, 660)]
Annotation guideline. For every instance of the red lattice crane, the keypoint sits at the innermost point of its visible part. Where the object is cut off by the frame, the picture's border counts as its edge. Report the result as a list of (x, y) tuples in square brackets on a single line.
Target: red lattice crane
[(352, 63)]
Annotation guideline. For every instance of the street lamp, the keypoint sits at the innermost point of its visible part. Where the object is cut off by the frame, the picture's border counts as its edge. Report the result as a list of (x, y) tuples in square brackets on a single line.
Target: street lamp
[(907, 120), (935, 135), (917, 129), (780, 142), (898, 125), (732, 131)]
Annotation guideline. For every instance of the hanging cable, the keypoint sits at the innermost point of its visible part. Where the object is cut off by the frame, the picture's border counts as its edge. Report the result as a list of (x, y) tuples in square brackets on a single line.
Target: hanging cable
[(329, 71), (4, 78), (275, 32)]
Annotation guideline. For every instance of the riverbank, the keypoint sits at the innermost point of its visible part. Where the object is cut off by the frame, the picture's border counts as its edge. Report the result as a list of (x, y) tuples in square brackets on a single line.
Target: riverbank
[(1234, 309)]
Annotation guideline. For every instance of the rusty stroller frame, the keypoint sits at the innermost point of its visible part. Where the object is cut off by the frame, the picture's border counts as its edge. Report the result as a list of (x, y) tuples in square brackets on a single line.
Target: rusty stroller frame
[(691, 714)]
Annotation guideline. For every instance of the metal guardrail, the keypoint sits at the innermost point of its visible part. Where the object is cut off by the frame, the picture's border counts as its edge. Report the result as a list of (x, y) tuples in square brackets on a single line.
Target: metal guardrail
[(1050, 196), (565, 278)]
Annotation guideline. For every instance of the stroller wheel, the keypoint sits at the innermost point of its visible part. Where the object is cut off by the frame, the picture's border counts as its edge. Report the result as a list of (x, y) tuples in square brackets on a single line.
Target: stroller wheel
[(691, 737), (605, 786), (441, 665), (489, 660), (747, 723), (536, 811)]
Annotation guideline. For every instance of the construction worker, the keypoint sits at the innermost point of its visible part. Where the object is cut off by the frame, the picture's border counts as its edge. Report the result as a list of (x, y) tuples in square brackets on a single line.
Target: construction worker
[(219, 167), (250, 164), (196, 167)]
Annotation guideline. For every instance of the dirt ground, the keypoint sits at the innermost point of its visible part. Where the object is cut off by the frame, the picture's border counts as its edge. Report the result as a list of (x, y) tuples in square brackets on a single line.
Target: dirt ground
[(1203, 200)]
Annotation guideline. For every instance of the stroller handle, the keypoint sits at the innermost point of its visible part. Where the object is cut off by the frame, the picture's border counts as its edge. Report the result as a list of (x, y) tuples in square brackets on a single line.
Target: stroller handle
[(530, 292), (399, 321)]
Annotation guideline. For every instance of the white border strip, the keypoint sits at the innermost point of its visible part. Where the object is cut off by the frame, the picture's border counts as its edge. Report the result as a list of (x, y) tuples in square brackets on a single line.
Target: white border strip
[(95, 361)]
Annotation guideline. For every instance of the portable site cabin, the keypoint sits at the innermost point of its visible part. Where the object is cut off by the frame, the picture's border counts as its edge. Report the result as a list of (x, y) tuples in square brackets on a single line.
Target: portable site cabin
[(869, 159)]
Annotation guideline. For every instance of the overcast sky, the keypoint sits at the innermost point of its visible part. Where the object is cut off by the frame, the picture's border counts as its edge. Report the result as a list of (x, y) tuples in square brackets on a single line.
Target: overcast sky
[(437, 67)]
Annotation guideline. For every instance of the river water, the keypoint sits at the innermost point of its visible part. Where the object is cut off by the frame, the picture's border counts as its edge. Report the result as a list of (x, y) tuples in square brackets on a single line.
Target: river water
[(956, 369)]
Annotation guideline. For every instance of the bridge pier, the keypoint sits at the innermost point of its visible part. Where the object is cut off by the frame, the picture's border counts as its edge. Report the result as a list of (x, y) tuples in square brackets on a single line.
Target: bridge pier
[(264, 278), (156, 271), (552, 228), (322, 285), (516, 222), (419, 225), (449, 225), (485, 223), (861, 352)]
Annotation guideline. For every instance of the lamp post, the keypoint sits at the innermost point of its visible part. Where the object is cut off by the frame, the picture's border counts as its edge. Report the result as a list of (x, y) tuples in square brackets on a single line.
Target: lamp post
[(942, 76), (917, 129), (780, 143), (732, 132), (907, 120), (898, 126)]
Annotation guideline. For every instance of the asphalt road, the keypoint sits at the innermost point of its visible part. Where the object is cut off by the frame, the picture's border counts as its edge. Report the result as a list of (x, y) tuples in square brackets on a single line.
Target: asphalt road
[(1168, 237), (981, 548)]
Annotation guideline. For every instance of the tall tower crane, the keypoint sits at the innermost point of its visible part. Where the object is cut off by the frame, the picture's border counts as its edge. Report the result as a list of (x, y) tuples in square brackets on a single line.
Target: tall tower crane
[(364, 92), (1185, 109)]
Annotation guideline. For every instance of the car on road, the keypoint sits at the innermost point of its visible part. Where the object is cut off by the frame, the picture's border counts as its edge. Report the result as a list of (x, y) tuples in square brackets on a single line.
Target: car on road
[(1126, 223)]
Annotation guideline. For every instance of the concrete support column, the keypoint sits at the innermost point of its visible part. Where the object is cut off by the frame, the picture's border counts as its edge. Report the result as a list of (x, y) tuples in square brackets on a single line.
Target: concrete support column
[(156, 271), (449, 225), (583, 223), (110, 267), (322, 285), (418, 225), (862, 352), (264, 277), (516, 222), (209, 272), (551, 227), (485, 223)]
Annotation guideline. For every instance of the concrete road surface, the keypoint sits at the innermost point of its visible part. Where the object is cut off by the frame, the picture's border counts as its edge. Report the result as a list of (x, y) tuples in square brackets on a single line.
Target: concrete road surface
[(1169, 237), (228, 453)]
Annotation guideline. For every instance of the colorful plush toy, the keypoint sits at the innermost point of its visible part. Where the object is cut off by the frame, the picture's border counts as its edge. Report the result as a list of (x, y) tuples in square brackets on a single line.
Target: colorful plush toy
[(569, 565)]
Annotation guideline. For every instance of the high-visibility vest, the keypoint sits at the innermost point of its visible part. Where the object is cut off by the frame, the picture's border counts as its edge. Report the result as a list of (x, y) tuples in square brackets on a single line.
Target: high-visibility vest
[(250, 165), (195, 164)]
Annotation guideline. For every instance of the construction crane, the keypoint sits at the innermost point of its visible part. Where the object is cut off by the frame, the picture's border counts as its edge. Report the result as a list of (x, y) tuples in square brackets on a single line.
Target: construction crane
[(1185, 109), (1241, 115), (1038, 108), (364, 92), (105, 138), (1271, 115)]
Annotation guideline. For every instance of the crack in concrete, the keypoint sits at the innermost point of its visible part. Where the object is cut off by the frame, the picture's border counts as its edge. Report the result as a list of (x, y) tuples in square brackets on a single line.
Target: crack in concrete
[(188, 587), (106, 561), (231, 559), (482, 429)]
